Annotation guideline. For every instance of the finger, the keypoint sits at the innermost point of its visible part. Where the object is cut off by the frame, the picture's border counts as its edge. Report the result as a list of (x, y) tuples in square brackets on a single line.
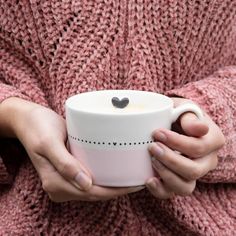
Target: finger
[(42, 165), (212, 159), (158, 190), (105, 193), (190, 146), (182, 166), (192, 126), (67, 165), (52, 182), (172, 181), (60, 190)]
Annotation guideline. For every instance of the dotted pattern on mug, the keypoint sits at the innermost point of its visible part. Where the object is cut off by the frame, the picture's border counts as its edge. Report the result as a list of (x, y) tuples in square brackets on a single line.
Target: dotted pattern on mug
[(110, 143)]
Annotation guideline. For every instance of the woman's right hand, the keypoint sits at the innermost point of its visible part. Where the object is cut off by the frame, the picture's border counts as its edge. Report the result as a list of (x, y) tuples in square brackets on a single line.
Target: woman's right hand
[(43, 134)]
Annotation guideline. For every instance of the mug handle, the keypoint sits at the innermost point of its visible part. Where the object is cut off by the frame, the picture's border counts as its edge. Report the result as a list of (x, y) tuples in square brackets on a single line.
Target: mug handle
[(186, 107)]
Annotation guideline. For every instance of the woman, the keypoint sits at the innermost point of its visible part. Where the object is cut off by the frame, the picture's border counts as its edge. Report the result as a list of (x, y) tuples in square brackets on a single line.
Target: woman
[(51, 50)]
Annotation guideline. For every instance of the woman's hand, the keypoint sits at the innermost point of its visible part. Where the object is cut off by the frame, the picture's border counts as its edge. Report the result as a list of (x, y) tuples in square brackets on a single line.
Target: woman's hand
[(43, 134), (180, 159)]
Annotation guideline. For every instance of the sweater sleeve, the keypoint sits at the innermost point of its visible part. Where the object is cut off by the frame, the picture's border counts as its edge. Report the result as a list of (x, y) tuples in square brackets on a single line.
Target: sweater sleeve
[(18, 78), (216, 95)]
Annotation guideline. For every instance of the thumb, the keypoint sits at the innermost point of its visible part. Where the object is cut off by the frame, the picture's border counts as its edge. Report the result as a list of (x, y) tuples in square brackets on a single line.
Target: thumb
[(68, 166), (192, 126)]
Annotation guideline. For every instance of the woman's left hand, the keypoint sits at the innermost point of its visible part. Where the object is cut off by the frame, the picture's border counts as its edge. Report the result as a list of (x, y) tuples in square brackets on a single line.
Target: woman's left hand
[(180, 158)]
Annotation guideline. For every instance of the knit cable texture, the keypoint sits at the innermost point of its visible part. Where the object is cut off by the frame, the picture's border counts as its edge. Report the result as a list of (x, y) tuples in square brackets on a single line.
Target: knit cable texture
[(50, 50)]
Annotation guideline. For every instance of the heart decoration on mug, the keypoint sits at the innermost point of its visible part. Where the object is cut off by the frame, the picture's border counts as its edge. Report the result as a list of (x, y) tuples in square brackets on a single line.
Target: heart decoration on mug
[(120, 103)]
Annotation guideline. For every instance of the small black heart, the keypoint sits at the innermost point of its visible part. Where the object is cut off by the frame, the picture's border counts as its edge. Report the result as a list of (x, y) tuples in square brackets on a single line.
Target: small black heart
[(120, 103), (114, 143)]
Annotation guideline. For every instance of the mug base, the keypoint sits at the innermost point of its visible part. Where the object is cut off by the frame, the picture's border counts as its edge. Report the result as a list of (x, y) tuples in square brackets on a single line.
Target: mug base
[(115, 167)]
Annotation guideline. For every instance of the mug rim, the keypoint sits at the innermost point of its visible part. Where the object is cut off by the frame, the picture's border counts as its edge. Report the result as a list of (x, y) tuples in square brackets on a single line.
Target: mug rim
[(69, 100)]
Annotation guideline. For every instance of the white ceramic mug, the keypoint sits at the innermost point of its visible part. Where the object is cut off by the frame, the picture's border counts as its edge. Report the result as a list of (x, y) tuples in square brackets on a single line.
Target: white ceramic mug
[(112, 142)]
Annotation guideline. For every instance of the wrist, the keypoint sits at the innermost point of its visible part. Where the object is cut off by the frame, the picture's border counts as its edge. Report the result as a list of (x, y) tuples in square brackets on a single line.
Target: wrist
[(12, 110)]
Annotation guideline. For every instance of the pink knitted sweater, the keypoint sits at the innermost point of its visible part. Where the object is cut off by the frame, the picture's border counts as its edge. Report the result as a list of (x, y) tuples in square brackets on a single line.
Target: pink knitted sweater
[(50, 50)]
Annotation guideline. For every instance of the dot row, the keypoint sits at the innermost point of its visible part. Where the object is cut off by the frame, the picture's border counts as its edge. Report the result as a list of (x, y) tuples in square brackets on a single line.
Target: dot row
[(110, 143)]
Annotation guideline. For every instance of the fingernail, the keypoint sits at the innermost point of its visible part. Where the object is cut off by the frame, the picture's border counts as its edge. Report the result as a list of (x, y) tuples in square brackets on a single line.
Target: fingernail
[(160, 136), (156, 150), (83, 180)]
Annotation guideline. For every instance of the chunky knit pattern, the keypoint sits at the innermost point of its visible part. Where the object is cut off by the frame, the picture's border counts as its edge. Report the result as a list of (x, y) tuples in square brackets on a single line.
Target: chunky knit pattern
[(50, 50)]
